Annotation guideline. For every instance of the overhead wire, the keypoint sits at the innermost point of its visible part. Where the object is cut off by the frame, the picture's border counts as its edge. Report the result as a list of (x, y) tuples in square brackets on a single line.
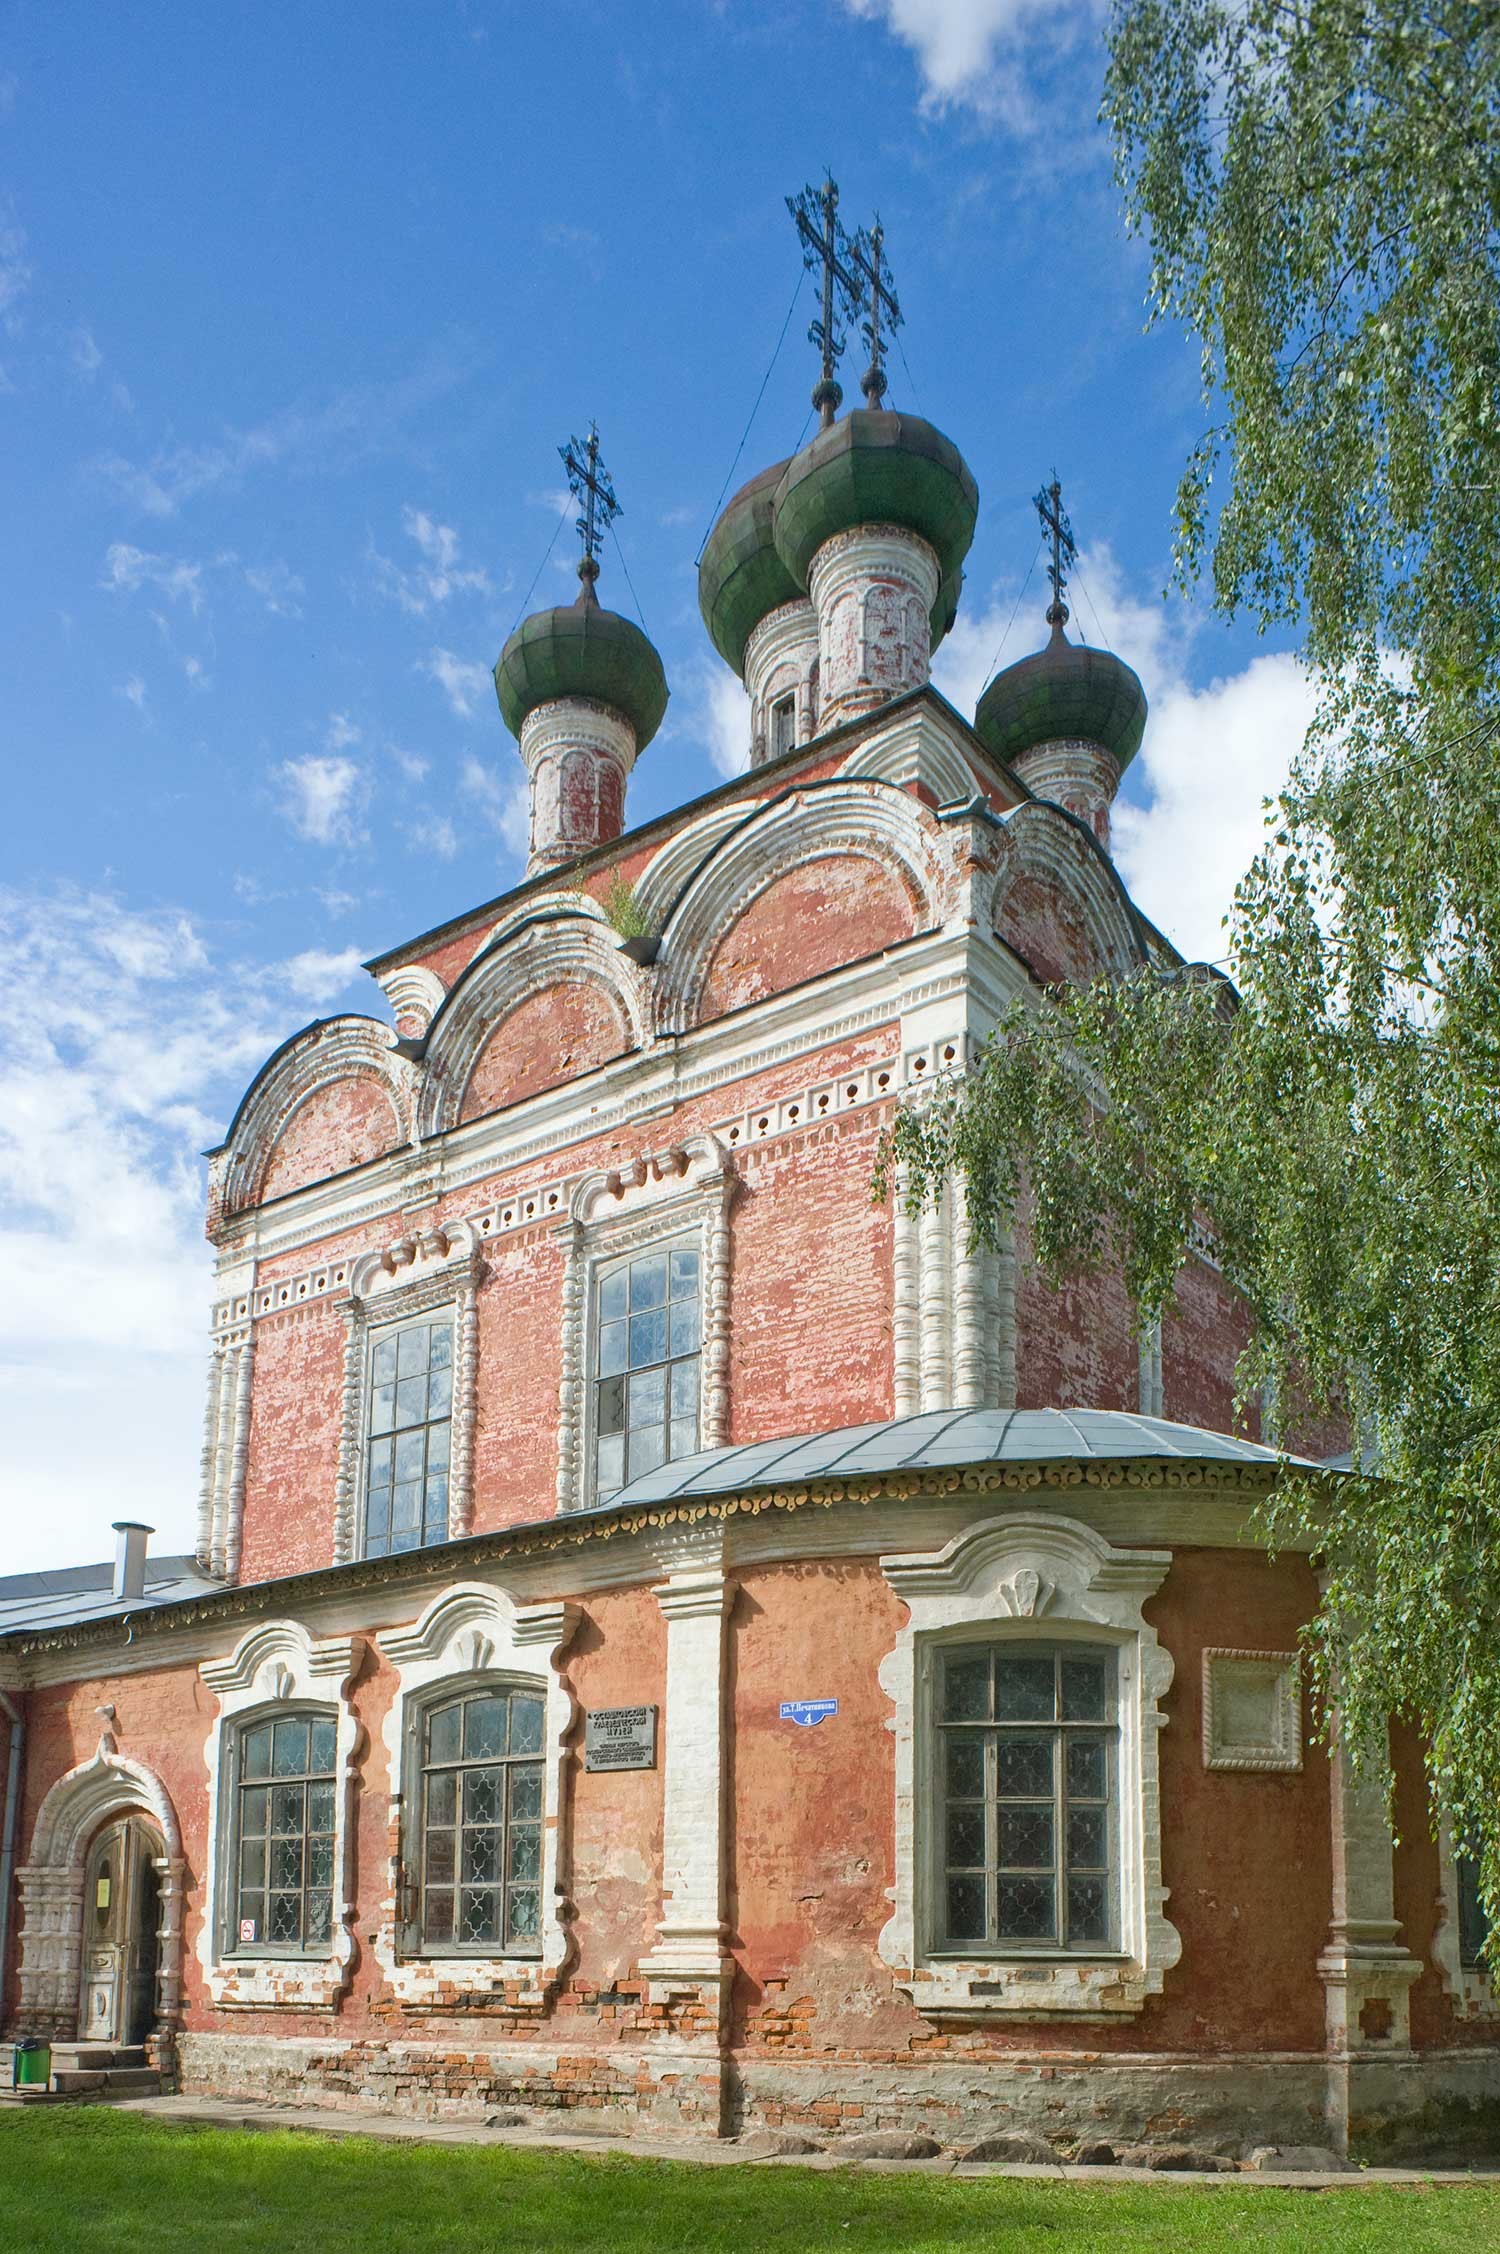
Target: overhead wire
[(541, 567), (1010, 622), (755, 410), (630, 583)]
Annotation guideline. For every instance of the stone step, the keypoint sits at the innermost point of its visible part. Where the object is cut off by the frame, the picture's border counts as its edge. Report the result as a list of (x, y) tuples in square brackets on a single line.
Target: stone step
[(114, 2081), (96, 2058)]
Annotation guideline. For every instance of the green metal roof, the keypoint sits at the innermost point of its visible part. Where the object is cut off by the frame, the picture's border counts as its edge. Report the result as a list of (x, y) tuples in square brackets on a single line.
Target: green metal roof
[(580, 650), (876, 468), (1065, 691), (741, 578)]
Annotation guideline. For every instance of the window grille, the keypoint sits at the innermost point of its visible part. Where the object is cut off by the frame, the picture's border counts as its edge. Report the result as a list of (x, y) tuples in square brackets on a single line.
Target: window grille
[(481, 1834), (409, 1427), (1473, 1924), (646, 1365), (284, 1834), (1026, 1760)]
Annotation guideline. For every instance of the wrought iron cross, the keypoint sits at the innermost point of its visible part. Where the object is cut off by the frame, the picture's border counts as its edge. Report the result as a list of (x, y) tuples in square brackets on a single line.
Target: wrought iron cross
[(825, 246), (589, 482), (878, 296), (1055, 526)]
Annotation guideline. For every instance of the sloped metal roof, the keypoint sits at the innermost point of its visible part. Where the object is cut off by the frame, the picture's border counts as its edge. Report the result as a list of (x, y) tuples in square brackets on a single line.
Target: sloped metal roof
[(87, 1592), (944, 1436)]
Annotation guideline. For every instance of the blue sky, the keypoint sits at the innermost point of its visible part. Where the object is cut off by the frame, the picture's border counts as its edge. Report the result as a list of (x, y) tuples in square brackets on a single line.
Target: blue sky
[(296, 306)]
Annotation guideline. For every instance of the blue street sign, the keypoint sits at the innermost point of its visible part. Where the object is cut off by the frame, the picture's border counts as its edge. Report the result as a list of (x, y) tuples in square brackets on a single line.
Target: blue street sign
[(805, 1712)]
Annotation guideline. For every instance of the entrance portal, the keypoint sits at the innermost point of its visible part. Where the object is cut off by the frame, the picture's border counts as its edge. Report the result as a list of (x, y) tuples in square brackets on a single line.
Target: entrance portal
[(121, 1934)]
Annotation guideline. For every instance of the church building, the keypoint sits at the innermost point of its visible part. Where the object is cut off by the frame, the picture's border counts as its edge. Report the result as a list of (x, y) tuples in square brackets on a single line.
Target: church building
[(674, 1639)]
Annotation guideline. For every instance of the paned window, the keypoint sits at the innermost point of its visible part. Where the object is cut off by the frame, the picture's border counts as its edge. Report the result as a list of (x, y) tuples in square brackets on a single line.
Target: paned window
[(783, 725), (283, 1835), (409, 1424), (646, 1368), (481, 1842), (1473, 1924), (1025, 1770)]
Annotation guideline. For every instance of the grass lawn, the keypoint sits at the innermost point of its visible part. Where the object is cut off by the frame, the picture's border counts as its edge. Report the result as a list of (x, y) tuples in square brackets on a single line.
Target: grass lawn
[(108, 2183)]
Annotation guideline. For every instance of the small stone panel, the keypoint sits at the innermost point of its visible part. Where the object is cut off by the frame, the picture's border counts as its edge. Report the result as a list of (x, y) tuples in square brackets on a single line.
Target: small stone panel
[(1252, 1710)]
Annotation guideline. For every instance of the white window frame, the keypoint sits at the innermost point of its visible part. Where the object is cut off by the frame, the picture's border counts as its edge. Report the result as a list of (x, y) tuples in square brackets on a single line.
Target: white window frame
[(473, 1633), (681, 1196), (600, 1270), (374, 1332), (1027, 1577), (278, 1665), (413, 1280)]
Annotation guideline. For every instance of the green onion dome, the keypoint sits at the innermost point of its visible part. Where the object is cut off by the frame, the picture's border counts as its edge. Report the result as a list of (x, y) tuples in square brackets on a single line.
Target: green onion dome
[(1067, 691), (580, 650), (874, 467), (945, 607), (741, 578)]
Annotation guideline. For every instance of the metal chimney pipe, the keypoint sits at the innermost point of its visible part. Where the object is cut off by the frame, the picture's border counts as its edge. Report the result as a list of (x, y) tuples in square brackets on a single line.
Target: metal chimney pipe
[(130, 1557)]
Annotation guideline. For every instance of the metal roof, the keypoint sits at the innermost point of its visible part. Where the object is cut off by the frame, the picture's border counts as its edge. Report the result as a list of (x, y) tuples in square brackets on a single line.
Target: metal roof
[(941, 1437), (87, 1592)]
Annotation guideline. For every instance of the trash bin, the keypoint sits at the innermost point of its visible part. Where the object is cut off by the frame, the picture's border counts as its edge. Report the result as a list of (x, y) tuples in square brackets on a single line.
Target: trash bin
[(31, 2064)]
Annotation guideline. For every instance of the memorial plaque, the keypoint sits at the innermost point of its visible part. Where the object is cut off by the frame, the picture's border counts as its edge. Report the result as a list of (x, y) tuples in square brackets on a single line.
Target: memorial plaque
[(620, 1737)]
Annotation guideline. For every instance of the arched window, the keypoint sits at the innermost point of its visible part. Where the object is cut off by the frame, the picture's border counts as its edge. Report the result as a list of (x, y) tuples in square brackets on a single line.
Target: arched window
[(282, 1802), (479, 1831)]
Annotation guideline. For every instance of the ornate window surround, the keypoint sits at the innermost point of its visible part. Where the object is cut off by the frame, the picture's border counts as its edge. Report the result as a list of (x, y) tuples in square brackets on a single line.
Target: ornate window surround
[(1473, 1992), (419, 1275), (1020, 1575), (279, 1664), (684, 1192), (473, 1633)]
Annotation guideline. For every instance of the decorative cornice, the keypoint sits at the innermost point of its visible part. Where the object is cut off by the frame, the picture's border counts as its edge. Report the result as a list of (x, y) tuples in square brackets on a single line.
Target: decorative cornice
[(580, 1529)]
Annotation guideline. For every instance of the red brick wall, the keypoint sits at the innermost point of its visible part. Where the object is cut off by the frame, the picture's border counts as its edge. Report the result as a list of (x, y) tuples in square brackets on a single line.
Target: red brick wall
[(337, 1127), (295, 1418), (553, 1036), (828, 912)]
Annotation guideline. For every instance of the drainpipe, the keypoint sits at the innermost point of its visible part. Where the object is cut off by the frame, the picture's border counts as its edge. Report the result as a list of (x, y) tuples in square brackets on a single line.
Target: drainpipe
[(17, 1721)]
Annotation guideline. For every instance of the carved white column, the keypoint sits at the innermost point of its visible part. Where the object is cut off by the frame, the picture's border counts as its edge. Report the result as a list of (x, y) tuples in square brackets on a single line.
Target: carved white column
[(226, 1444), (1367, 1973), (689, 1951), (906, 1313), (971, 1387), (936, 1282), (579, 755), (873, 588)]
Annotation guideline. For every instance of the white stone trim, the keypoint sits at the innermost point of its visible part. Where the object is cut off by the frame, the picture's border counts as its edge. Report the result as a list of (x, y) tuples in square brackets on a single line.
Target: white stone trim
[(414, 993), (341, 1048), (1070, 772), (953, 1312), (684, 1191), (690, 1951), (416, 1276), (781, 659), (1274, 1680), (474, 1631), (1019, 1575), (911, 752), (552, 735), (226, 1450), (873, 587), (50, 1885), (1043, 842), (279, 1664), (1472, 1990)]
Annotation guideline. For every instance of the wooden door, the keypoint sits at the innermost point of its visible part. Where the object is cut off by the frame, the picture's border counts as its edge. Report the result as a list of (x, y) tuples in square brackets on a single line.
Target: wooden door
[(121, 1897)]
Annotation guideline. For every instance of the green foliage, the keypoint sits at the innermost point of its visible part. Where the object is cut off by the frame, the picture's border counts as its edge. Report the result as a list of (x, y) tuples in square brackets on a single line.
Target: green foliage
[(1320, 183), (93, 2181), (624, 911)]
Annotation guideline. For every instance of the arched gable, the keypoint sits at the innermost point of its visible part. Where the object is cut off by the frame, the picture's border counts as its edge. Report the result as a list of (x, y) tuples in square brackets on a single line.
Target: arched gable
[(833, 909), (1058, 901), (552, 1036), (315, 1063), (562, 950), (862, 820)]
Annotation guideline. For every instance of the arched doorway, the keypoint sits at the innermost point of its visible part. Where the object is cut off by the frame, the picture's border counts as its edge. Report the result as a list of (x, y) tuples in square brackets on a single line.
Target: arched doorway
[(115, 1812), (122, 1903)]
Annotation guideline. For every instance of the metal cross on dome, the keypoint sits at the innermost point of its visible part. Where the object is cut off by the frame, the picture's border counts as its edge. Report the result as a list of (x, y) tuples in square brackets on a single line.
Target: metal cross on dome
[(867, 251), (589, 482), (825, 246), (1055, 526)]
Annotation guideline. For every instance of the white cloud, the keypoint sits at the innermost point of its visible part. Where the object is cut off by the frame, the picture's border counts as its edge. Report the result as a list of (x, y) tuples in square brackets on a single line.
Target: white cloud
[(718, 715), (1193, 818), (15, 274), (84, 356), (341, 732), (437, 833), (128, 569), (126, 1049), (134, 691), (504, 805), (318, 975), (322, 797), (278, 587), (465, 684), (439, 572), (960, 44)]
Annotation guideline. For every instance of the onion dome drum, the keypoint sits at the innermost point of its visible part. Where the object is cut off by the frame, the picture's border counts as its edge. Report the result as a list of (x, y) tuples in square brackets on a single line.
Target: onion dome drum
[(581, 650), (1065, 692), (876, 467)]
